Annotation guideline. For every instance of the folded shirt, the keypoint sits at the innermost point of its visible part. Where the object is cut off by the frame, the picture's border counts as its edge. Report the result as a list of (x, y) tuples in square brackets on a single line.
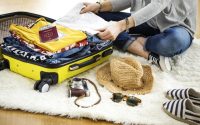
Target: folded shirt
[(31, 35), (88, 22), (39, 49)]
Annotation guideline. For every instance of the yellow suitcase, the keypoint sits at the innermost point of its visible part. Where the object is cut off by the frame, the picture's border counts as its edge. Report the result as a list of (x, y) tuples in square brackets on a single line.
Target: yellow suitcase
[(45, 75)]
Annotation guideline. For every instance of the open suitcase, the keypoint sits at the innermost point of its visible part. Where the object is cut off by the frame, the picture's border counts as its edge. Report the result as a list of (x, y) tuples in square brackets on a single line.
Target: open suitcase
[(45, 75)]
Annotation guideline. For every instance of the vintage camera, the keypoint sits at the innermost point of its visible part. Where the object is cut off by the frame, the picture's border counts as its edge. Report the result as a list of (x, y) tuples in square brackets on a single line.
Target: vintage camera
[(78, 87)]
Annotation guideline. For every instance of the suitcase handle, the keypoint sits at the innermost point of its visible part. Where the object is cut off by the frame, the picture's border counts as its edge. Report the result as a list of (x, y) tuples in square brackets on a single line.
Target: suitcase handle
[(78, 66)]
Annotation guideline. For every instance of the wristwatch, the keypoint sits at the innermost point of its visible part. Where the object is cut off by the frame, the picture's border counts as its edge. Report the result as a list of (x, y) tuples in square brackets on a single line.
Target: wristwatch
[(100, 5)]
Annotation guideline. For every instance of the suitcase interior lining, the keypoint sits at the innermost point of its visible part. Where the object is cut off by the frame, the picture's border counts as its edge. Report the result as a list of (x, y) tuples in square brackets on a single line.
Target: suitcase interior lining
[(19, 20)]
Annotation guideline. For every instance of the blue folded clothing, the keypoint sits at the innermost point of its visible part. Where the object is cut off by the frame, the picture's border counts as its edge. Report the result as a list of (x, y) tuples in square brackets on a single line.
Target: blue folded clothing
[(18, 48)]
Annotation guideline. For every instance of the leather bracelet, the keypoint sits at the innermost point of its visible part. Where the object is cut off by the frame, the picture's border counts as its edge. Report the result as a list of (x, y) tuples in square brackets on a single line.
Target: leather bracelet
[(100, 5), (127, 24)]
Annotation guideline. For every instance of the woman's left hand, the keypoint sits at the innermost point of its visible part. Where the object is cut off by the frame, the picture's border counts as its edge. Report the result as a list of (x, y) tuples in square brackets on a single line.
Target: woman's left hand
[(110, 32)]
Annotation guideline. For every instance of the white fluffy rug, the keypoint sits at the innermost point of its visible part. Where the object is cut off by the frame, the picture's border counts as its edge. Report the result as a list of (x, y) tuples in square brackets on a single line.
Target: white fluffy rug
[(16, 92)]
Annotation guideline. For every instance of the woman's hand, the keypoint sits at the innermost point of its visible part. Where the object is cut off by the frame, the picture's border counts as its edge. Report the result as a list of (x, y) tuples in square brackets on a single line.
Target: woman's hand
[(111, 32), (90, 7)]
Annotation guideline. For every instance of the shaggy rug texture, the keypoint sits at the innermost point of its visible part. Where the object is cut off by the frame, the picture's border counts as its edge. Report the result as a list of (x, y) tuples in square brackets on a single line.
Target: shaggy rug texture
[(16, 92)]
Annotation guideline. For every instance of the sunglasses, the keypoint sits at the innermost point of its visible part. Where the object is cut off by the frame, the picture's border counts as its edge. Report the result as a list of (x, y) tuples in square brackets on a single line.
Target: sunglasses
[(130, 100)]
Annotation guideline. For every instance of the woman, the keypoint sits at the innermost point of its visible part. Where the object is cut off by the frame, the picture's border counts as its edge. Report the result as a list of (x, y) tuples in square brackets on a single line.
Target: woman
[(165, 27)]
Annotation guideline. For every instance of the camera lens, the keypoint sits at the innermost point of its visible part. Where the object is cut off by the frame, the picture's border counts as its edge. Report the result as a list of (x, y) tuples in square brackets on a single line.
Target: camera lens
[(76, 79)]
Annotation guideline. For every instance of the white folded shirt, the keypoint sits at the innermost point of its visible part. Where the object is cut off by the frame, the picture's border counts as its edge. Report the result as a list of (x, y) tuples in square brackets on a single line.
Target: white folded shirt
[(88, 22)]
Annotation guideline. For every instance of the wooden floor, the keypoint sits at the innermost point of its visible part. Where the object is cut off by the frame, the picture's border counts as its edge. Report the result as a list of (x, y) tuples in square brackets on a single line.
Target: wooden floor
[(16, 117), (53, 9)]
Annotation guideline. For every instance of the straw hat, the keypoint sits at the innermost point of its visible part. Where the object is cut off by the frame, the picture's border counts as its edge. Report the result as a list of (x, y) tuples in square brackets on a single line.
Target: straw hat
[(126, 76)]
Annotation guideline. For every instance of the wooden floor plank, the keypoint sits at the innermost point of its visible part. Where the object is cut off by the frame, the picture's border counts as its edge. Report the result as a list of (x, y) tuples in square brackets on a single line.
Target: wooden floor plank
[(17, 117)]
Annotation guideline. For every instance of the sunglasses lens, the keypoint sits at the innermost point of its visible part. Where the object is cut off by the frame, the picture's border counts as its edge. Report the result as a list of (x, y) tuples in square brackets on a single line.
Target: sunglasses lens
[(132, 101), (117, 97)]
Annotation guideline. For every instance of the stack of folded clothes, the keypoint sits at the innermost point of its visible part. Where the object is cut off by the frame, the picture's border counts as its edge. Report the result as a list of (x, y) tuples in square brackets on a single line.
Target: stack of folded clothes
[(25, 42)]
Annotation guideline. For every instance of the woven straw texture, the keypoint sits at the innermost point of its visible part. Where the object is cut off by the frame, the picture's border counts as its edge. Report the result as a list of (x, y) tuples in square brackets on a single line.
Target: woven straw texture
[(125, 75)]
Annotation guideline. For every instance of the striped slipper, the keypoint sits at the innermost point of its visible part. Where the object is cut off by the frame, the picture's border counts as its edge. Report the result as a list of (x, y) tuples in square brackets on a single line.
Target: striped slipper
[(189, 93), (183, 110)]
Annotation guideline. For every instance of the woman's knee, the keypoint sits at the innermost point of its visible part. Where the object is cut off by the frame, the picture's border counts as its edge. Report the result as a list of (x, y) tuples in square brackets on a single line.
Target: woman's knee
[(174, 43), (167, 48)]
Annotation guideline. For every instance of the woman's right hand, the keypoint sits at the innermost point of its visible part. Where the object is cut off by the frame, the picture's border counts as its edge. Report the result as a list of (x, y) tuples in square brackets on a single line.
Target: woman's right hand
[(90, 7)]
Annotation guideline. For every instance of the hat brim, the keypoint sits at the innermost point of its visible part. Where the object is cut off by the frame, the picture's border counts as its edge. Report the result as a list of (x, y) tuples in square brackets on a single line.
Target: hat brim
[(104, 79)]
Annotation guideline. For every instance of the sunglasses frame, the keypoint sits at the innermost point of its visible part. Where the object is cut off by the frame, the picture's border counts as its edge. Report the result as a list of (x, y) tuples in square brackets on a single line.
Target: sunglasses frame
[(130, 100)]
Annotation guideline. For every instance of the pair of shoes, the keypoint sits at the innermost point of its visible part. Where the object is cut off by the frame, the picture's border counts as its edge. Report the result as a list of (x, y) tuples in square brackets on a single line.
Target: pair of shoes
[(185, 107), (162, 62), (189, 93)]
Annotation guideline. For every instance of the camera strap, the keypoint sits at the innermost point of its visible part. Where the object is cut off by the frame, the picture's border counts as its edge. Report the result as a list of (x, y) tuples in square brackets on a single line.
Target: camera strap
[(75, 102)]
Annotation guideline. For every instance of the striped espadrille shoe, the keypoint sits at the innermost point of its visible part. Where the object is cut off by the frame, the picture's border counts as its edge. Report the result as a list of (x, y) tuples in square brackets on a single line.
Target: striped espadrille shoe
[(189, 93), (183, 110)]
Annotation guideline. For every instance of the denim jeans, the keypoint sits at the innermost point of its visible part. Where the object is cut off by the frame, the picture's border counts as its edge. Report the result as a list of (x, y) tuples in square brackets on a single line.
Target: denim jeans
[(96, 43), (12, 45), (20, 49), (168, 43), (83, 51)]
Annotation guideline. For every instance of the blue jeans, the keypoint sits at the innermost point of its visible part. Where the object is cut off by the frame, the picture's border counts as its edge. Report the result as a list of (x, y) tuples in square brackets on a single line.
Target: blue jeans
[(95, 44), (20, 49), (168, 43)]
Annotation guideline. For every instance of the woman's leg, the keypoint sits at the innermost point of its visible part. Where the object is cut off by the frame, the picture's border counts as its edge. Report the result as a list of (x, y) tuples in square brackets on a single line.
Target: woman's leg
[(159, 47), (169, 43), (137, 46)]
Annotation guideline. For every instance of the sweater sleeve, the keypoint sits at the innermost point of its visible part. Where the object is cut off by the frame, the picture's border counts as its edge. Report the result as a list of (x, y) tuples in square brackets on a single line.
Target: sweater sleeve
[(118, 5), (149, 11)]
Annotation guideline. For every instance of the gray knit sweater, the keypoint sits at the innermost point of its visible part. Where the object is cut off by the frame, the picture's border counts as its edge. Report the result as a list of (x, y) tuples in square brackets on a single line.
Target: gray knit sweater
[(161, 14)]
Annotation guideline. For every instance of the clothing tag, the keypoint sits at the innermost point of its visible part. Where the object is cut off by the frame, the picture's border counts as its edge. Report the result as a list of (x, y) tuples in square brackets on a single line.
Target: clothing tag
[(48, 33)]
